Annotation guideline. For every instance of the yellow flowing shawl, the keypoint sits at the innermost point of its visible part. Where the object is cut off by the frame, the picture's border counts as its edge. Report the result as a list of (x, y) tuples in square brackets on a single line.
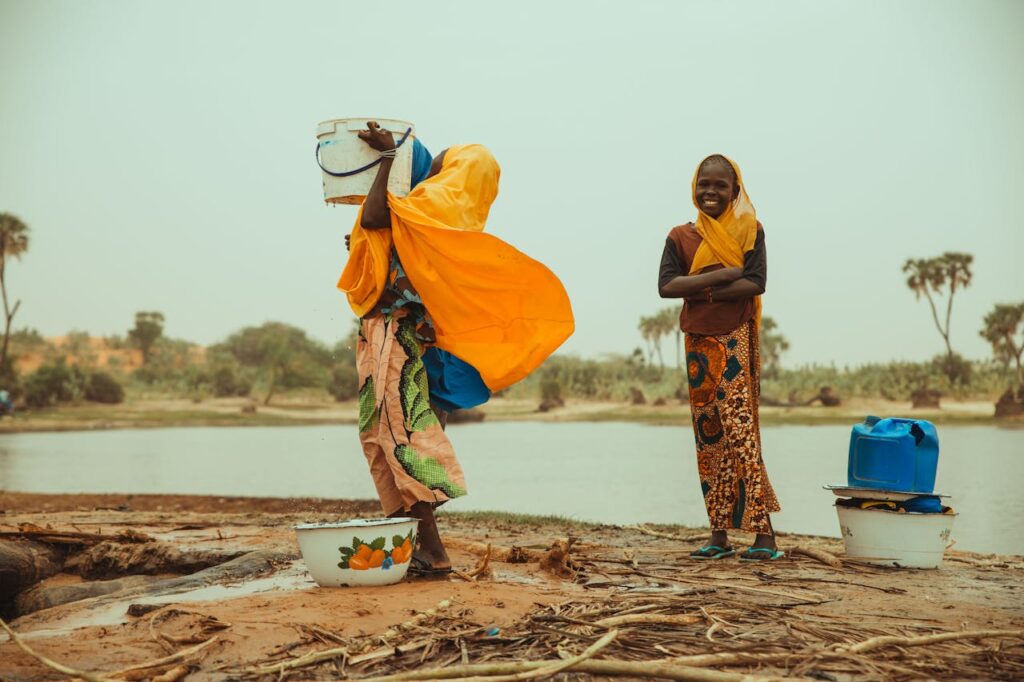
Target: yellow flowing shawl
[(729, 236), (492, 306)]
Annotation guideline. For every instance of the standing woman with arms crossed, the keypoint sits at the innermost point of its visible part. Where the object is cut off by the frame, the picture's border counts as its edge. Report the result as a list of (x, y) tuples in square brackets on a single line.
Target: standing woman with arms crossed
[(719, 266)]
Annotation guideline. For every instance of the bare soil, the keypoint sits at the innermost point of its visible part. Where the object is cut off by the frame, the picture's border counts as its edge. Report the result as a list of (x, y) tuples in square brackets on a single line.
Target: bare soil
[(281, 614)]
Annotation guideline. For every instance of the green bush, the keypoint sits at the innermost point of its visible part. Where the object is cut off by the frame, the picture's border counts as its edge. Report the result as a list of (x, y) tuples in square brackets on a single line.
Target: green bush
[(10, 381), (103, 388), (53, 383), (551, 391), (227, 382), (956, 368), (344, 383)]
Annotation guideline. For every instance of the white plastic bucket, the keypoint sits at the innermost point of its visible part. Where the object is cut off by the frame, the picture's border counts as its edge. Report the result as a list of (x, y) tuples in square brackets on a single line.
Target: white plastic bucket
[(345, 160), (888, 538)]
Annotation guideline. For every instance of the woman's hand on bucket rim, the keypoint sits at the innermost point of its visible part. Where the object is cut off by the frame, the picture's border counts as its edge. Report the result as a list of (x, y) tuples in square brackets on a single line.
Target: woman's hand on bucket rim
[(378, 138)]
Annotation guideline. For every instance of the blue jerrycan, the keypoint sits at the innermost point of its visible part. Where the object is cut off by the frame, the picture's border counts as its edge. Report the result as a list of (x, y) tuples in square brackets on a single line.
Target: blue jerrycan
[(894, 454)]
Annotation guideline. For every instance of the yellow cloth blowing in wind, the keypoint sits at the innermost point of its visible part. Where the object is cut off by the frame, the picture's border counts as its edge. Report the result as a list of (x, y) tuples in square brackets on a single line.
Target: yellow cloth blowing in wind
[(492, 306), (730, 236)]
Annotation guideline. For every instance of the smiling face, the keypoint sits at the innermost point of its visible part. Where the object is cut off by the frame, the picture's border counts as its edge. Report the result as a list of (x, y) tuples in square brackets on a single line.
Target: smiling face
[(716, 186)]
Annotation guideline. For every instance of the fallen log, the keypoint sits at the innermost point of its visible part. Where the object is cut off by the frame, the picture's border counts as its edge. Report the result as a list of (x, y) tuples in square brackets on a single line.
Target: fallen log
[(110, 559), (42, 597), (52, 536), (23, 563), (247, 566)]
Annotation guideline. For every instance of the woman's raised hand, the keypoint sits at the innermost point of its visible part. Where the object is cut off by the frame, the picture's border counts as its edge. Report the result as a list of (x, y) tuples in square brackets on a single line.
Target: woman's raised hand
[(378, 138)]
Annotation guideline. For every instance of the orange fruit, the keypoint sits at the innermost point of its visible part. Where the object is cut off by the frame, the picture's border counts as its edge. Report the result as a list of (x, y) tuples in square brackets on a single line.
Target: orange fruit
[(377, 558), (400, 555), (364, 552), (357, 563), (407, 545)]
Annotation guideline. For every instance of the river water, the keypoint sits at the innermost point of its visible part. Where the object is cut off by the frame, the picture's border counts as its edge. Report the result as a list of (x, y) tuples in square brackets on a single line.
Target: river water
[(606, 472)]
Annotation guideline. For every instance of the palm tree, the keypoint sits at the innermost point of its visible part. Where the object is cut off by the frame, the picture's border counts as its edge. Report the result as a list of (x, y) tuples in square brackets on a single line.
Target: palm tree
[(1001, 328), (773, 345), (929, 276), (646, 328), (669, 323), (13, 243)]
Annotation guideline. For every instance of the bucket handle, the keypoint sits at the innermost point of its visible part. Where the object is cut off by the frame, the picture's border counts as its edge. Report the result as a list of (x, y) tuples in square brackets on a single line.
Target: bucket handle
[(357, 171)]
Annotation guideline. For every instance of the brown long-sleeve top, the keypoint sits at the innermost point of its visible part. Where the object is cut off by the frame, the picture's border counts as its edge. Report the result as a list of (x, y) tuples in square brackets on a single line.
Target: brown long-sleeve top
[(717, 317)]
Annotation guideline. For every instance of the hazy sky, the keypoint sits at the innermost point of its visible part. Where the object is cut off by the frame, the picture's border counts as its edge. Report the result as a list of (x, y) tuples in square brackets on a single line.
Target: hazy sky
[(162, 152)]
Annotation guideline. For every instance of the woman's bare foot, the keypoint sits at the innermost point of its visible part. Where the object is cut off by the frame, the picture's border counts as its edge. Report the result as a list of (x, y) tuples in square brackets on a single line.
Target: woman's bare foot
[(429, 548)]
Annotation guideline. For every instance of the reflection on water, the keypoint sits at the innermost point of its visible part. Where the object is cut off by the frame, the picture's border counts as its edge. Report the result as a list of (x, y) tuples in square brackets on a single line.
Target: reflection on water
[(613, 473)]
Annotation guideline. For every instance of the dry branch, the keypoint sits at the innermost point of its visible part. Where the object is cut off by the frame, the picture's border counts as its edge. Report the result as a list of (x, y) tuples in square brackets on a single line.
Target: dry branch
[(174, 674), (818, 555), (924, 640), (166, 660), (466, 673), (418, 619), (489, 672), (648, 619), (49, 663), (667, 536), (508, 555)]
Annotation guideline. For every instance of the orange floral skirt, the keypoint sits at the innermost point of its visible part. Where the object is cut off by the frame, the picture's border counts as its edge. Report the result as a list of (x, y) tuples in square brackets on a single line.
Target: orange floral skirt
[(724, 377), (410, 457)]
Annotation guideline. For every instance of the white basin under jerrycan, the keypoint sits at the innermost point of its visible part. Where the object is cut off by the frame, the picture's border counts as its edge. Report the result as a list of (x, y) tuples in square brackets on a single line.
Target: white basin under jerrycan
[(889, 538), (349, 165), (362, 552)]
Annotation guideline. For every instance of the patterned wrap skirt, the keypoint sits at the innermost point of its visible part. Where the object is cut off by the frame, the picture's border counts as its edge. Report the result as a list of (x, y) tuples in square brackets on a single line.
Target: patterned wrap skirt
[(410, 457), (724, 377)]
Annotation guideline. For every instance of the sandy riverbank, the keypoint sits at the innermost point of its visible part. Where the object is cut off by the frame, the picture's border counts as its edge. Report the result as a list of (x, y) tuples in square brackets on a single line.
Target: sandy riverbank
[(794, 616)]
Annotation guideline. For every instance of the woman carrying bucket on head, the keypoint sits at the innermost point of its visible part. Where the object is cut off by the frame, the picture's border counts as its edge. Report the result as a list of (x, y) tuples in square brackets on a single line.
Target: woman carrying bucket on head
[(422, 274), (719, 267)]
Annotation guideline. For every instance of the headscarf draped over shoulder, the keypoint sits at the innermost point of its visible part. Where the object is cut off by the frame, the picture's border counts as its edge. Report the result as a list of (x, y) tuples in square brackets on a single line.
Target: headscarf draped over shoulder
[(727, 238), (492, 306)]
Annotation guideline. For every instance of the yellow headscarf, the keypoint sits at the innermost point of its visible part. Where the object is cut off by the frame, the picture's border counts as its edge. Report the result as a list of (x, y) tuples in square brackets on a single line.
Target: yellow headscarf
[(728, 237), (492, 306)]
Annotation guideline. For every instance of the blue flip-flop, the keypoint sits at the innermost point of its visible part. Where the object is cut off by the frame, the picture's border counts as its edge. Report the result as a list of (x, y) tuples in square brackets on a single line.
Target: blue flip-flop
[(712, 553), (749, 555)]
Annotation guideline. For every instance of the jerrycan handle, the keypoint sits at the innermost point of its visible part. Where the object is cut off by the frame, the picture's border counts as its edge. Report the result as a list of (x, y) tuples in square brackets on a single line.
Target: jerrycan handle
[(917, 432), (871, 420), (896, 424)]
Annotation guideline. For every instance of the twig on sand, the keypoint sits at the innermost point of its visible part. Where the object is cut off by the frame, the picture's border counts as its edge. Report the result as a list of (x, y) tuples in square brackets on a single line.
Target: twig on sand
[(483, 566), (507, 555), (49, 663), (495, 672), (648, 619), (818, 555), (509, 673), (174, 674), (311, 658), (315, 657), (667, 536), (418, 619), (924, 640), (166, 660), (737, 658), (732, 586)]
